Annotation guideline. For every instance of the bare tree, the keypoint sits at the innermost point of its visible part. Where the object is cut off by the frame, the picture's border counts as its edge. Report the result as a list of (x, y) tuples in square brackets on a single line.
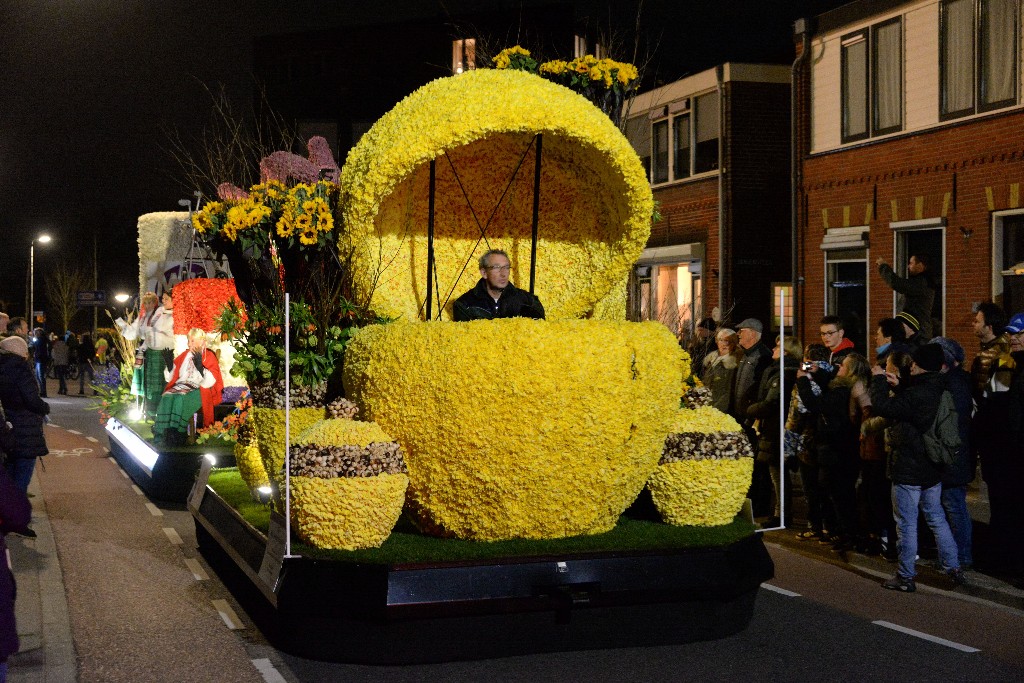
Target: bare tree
[(62, 287), (230, 146)]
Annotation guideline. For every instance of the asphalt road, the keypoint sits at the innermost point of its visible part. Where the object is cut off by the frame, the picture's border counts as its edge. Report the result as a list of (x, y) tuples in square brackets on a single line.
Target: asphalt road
[(814, 621)]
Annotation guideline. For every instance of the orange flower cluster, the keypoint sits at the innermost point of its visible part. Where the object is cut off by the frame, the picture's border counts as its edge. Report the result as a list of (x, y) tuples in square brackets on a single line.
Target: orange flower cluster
[(198, 302)]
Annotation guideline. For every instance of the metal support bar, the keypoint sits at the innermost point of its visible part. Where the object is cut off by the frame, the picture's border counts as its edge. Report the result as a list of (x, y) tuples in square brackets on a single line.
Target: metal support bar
[(536, 211), (430, 238)]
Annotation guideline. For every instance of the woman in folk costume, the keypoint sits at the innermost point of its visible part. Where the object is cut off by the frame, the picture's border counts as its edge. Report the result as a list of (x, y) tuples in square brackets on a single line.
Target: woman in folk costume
[(154, 329), (195, 384)]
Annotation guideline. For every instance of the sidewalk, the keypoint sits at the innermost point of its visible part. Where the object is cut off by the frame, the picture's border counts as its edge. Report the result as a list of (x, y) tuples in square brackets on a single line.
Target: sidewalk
[(112, 588)]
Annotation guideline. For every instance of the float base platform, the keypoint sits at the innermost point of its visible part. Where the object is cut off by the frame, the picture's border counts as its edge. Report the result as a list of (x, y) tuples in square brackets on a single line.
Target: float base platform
[(165, 475), (418, 613)]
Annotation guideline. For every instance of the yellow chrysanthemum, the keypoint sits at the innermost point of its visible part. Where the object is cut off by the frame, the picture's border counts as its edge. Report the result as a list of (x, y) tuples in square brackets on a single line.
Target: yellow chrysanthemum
[(595, 203), (520, 428), (701, 492), (347, 513)]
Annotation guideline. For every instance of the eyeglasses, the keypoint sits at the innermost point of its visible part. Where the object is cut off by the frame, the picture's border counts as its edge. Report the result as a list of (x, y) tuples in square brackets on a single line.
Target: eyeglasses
[(498, 269), (829, 333)]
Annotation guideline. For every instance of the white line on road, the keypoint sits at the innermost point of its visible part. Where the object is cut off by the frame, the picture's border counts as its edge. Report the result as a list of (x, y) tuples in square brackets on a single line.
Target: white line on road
[(173, 536), (780, 591), (154, 510), (123, 473), (112, 460), (106, 450), (137, 490), (228, 615), (267, 670), (72, 431), (196, 569), (92, 438), (925, 636)]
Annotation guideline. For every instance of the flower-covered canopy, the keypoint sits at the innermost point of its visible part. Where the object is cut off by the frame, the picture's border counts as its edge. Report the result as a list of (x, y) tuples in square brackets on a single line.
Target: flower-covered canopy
[(480, 127)]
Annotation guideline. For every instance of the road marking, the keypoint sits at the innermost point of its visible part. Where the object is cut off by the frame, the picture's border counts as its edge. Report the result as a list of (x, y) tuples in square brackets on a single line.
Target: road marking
[(137, 490), (228, 615), (196, 569), (73, 431), (92, 438), (123, 473), (267, 670), (73, 453), (112, 460), (925, 636), (780, 591), (154, 510), (173, 536), (106, 450)]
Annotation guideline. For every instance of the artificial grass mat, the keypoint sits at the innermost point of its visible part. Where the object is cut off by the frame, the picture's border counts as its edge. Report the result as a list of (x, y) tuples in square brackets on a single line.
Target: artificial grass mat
[(637, 531)]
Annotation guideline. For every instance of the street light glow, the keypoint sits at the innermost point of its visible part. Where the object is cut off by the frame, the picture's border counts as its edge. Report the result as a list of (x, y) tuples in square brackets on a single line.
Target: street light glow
[(43, 239), (122, 297)]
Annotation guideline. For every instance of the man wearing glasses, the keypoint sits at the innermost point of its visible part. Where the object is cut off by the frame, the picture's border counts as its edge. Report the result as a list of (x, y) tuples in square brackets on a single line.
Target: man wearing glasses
[(833, 336), (494, 296)]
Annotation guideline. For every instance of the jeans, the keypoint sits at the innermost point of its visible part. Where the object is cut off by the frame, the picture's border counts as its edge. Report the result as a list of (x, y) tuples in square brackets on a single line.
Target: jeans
[(21, 470), (41, 377), (84, 368), (954, 501), (906, 500)]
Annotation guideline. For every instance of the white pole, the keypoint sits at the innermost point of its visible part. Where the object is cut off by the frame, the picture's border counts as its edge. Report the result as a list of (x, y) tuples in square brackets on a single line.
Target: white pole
[(287, 428), (783, 406)]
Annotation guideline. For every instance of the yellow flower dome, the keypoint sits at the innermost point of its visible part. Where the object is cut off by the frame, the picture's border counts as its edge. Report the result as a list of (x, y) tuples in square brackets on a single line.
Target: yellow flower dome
[(347, 513), (701, 492), (595, 200), (248, 460), (268, 428), (517, 428)]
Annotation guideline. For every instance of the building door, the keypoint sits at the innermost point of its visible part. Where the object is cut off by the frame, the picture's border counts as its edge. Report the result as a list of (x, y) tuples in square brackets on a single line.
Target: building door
[(846, 280), (927, 243)]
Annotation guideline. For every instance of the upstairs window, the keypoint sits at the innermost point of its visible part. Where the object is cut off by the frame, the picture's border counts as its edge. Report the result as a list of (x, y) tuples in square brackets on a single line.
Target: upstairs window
[(872, 81), (677, 141), (978, 56)]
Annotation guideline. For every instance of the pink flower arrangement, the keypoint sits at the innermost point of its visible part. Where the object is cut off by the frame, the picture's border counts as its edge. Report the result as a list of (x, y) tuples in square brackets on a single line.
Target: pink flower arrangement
[(198, 302)]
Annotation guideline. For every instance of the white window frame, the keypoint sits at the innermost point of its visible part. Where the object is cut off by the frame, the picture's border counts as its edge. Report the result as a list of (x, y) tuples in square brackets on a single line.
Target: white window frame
[(899, 227)]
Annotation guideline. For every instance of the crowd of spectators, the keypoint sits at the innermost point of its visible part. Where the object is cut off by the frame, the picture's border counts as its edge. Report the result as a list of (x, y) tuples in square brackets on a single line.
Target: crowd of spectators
[(865, 434)]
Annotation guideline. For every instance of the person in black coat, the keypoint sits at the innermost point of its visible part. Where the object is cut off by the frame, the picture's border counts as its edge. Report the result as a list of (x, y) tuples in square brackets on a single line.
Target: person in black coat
[(765, 413), (19, 394), (15, 512), (494, 296), (956, 478), (916, 482)]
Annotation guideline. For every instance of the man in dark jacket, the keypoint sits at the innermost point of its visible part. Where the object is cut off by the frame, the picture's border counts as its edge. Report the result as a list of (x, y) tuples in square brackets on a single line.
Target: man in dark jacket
[(916, 290), (833, 335), (25, 410), (916, 482), (494, 296), (956, 478), (1013, 468), (15, 513), (756, 357)]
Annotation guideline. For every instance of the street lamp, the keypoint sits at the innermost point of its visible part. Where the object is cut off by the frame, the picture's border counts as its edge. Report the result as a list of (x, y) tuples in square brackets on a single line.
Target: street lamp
[(42, 239)]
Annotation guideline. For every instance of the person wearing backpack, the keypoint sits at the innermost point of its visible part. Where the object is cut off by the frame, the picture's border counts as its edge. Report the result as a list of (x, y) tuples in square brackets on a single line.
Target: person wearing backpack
[(916, 480), (956, 478)]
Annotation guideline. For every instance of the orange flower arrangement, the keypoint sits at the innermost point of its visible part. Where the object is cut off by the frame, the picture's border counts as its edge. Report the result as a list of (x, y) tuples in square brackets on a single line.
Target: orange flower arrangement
[(198, 302)]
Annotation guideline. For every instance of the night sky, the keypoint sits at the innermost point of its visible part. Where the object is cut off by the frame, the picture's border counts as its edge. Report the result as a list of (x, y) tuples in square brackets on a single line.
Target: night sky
[(87, 88)]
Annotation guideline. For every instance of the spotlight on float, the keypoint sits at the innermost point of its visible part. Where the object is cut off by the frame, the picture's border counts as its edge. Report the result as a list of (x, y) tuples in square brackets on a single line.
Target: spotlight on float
[(264, 493), (135, 414), (211, 458)]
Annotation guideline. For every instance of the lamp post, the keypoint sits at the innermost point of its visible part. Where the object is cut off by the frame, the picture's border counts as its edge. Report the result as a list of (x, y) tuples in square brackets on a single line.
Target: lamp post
[(42, 239)]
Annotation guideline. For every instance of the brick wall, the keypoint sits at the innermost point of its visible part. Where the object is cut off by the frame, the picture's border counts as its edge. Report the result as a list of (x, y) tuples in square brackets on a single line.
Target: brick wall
[(962, 172)]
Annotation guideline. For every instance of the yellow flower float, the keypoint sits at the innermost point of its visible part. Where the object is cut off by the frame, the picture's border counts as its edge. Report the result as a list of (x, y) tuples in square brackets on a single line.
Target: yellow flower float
[(479, 128), (517, 428)]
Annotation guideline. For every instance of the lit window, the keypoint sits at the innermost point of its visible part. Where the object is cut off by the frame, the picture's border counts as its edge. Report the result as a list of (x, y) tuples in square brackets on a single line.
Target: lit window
[(463, 55)]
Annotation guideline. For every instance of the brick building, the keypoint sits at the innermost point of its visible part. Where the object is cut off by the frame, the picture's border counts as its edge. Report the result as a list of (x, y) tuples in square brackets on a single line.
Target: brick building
[(910, 141), (716, 148)]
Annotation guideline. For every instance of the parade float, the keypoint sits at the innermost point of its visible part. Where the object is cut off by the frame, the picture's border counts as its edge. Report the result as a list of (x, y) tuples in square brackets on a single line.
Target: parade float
[(413, 489)]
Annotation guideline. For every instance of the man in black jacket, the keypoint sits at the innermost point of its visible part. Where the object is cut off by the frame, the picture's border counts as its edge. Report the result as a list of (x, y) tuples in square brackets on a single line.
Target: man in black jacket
[(916, 482), (916, 292), (494, 295)]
